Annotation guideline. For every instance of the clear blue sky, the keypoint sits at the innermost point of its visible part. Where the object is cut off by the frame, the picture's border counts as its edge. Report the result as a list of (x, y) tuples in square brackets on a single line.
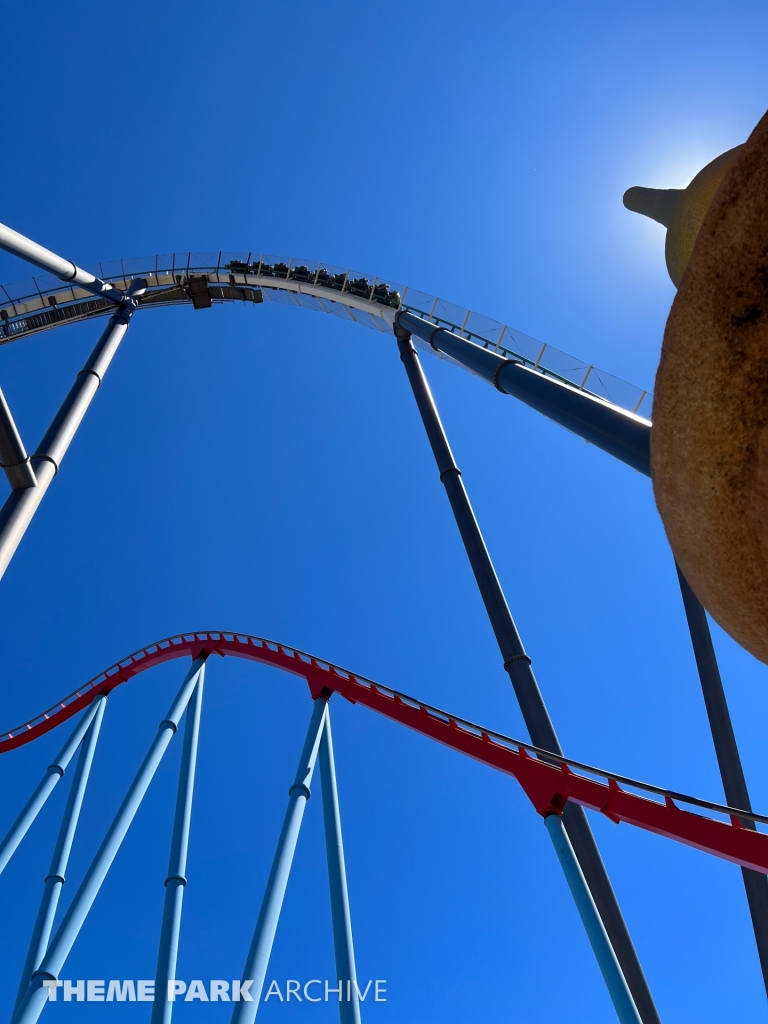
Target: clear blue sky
[(264, 470)]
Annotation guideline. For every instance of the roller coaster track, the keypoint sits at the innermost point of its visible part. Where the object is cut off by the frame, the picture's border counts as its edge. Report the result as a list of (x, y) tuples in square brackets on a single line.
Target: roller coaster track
[(202, 279), (548, 780), (603, 410)]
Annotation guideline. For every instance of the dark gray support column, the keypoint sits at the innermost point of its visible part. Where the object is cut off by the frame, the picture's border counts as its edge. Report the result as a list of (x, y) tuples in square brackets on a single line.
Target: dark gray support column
[(518, 665), (727, 752), (13, 455)]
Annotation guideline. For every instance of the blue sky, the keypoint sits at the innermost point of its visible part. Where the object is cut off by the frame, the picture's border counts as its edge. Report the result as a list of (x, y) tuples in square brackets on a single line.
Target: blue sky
[(264, 470)]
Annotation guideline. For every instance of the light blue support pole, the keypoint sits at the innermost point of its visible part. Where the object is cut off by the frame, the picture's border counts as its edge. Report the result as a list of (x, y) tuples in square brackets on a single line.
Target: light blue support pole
[(623, 1002), (36, 995), (264, 936), (162, 1009), (36, 802), (41, 933), (346, 974)]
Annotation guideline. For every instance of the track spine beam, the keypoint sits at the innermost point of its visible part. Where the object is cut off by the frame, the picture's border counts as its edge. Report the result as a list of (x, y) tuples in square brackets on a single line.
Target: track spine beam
[(618, 432)]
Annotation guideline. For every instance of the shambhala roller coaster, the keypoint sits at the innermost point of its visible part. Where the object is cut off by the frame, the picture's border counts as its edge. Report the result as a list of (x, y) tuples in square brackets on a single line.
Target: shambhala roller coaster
[(600, 408)]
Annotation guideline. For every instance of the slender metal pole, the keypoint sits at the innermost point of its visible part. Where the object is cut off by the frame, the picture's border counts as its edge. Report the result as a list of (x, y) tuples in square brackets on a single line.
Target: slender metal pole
[(21, 505), (728, 759), (36, 995), (256, 964), (66, 270), (346, 973), (613, 976), (49, 781), (56, 877), (162, 1009), (518, 666)]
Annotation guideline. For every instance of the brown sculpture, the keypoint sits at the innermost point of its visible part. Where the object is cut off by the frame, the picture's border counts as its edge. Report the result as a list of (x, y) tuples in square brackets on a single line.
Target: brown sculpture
[(709, 442)]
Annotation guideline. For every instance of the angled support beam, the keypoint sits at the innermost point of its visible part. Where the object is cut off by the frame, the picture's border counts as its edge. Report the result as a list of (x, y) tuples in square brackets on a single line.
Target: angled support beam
[(47, 974), (614, 979), (346, 972), (518, 665), (257, 961), (626, 437), (20, 506), (57, 872), (13, 456), (162, 1008), (728, 758), (618, 432), (65, 270), (36, 802)]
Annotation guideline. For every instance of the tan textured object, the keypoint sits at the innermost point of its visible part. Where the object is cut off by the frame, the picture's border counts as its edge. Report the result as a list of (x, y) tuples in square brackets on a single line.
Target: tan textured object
[(690, 211), (709, 442)]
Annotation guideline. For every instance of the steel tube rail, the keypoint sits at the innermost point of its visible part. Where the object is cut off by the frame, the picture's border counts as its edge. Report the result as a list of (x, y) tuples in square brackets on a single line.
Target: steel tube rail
[(36, 995), (175, 883), (21, 505), (257, 961), (518, 665), (728, 758), (623, 1003), (343, 946), (66, 270), (57, 872), (48, 783), (622, 434), (13, 455)]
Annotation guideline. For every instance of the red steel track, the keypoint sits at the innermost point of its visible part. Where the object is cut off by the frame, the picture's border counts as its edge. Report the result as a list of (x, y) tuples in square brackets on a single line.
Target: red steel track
[(548, 785)]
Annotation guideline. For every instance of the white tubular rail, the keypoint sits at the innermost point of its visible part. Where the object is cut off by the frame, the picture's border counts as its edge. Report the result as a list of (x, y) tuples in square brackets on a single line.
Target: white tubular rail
[(66, 270)]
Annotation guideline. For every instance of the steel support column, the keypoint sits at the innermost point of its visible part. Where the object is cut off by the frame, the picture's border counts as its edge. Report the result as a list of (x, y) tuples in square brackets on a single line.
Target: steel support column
[(518, 665), (48, 783), (256, 964), (346, 972), (13, 455), (56, 877), (162, 1009), (613, 976), (21, 505), (33, 1003), (728, 759)]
